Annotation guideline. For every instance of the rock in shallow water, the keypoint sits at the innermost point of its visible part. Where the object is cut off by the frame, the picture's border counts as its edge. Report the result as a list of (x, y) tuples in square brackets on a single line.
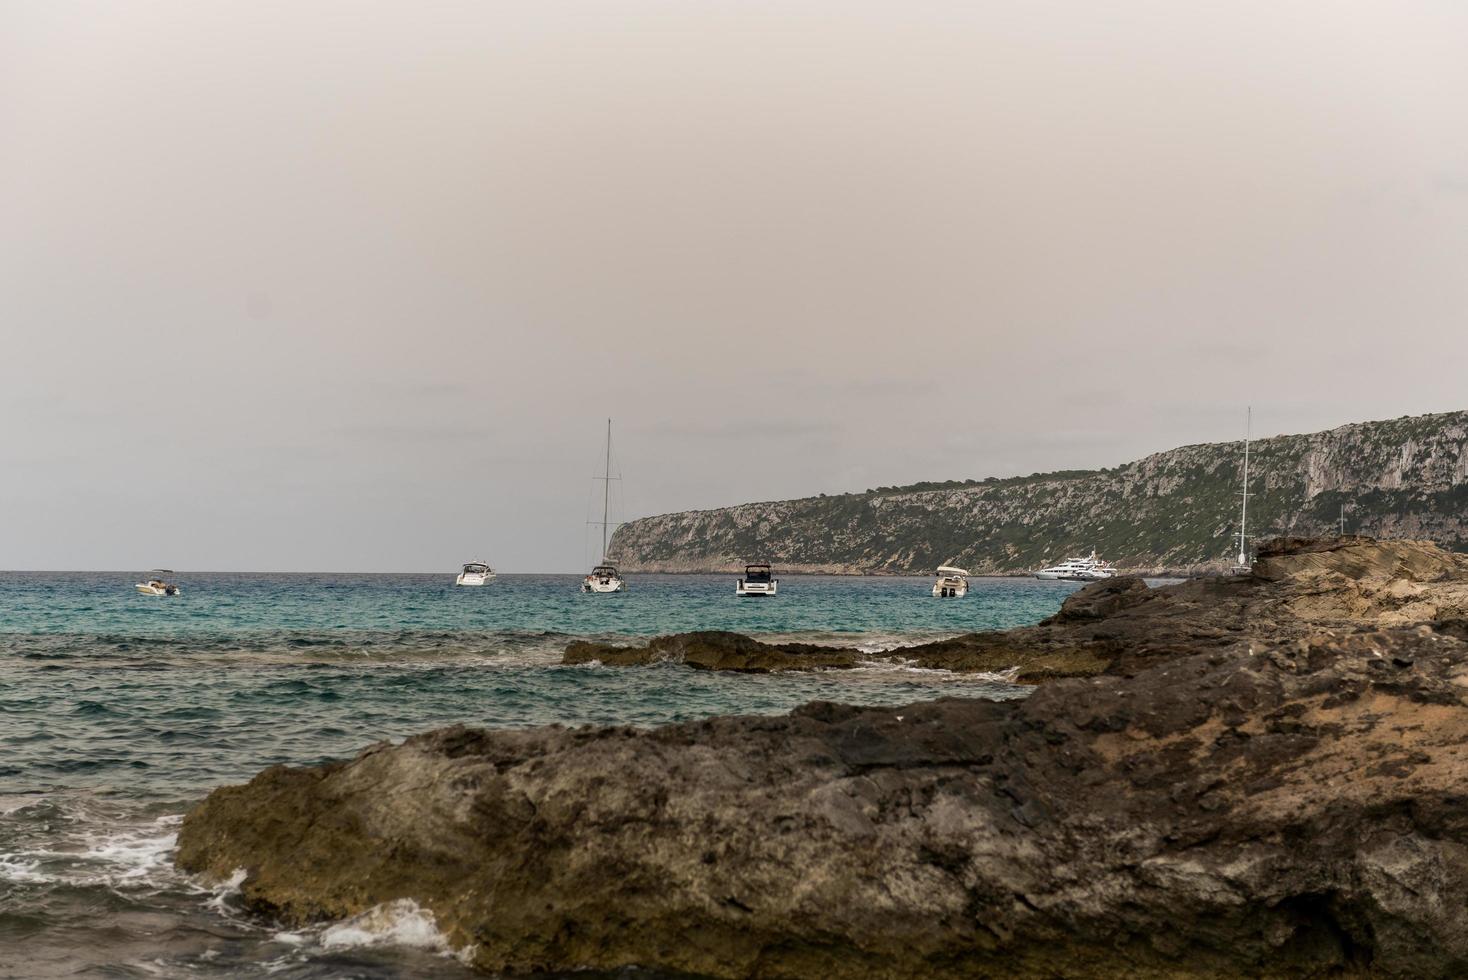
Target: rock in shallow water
[(1294, 812)]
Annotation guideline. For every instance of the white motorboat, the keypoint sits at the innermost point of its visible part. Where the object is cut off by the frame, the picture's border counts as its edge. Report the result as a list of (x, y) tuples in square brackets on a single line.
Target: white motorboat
[(758, 580), (156, 585), (604, 577), (1090, 569), (475, 573), (952, 583)]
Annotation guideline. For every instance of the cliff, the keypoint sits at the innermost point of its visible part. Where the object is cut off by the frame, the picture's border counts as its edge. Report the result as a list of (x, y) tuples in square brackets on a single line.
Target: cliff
[(1175, 510)]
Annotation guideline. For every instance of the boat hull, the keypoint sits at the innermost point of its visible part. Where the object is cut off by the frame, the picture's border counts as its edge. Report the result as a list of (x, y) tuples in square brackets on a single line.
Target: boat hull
[(146, 589), (474, 579), (603, 586), (950, 590), (749, 589)]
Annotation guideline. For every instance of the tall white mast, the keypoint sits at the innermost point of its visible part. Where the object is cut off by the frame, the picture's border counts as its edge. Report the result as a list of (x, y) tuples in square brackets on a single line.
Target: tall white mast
[(606, 491), (1244, 505)]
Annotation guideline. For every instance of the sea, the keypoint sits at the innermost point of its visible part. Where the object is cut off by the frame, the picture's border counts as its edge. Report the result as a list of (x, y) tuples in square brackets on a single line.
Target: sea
[(119, 712)]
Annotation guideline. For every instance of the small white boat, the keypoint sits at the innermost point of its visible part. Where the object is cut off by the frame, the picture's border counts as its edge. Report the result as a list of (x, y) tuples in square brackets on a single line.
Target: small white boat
[(603, 578), (157, 586), (1091, 569), (952, 583), (757, 580), (475, 573)]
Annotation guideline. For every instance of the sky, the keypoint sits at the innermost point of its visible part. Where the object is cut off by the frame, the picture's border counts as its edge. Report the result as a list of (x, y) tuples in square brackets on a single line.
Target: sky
[(355, 286)]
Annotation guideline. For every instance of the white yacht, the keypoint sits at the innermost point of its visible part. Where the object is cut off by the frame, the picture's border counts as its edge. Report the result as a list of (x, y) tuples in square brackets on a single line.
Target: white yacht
[(952, 583), (475, 573), (757, 580), (1091, 569), (155, 585), (604, 577)]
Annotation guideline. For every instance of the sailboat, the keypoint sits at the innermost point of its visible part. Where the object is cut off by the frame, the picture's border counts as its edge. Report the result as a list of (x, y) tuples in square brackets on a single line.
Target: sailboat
[(604, 577), (1244, 566)]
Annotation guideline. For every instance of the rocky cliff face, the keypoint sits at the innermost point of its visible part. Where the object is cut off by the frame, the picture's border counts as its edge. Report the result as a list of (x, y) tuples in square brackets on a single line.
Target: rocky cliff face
[(1175, 510), (1285, 807)]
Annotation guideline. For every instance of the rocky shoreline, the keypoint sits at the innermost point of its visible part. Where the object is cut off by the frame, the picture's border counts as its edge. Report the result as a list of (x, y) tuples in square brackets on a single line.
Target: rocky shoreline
[(1120, 625), (1260, 776)]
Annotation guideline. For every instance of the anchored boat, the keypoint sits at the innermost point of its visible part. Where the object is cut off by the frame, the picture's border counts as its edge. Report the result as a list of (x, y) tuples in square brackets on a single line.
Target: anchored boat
[(1091, 569), (758, 580), (475, 573), (952, 583), (155, 585), (604, 577)]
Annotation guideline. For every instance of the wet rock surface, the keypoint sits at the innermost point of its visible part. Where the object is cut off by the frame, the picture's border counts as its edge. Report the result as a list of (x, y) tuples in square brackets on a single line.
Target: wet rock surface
[(1294, 812), (713, 650), (1298, 587), (1223, 804)]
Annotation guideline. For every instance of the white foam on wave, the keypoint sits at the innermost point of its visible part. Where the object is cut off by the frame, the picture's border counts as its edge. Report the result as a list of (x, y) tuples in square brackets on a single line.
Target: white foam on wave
[(139, 852), (222, 892), (21, 868), (139, 855), (402, 922), (917, 671)]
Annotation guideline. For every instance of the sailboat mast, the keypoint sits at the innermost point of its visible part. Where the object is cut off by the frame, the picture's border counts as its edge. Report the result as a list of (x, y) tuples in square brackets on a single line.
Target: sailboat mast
[(606, 492), (1244, 506)]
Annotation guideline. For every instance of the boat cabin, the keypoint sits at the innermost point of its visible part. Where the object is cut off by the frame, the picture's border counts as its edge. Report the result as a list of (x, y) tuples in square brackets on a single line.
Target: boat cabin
[(476, 568), (758, 572)]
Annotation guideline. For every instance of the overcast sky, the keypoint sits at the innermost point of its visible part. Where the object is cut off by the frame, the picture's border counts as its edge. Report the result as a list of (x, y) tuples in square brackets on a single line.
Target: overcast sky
[(354, 286)]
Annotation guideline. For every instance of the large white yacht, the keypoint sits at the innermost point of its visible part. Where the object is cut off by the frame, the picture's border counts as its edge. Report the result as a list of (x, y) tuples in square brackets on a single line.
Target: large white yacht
[(1090, 569), (952, 583), (757, 580), (475, 573), (604, 577)]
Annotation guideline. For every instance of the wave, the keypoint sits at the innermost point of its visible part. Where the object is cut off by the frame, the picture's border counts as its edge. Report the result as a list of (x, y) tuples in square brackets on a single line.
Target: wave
[(493, 648), (61, 650), (78, 843)]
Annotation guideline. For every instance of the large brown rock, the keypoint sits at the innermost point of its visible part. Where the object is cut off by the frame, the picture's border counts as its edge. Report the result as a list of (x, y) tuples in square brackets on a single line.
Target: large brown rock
[(1299, 810)]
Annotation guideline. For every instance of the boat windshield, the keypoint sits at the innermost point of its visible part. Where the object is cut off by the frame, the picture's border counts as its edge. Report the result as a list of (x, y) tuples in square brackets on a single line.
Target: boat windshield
[(476, 569), (604, 570), (756, 573)]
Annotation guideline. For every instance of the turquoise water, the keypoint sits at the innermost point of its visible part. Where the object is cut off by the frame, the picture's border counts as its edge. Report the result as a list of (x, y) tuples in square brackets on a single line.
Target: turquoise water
[(119, 711)]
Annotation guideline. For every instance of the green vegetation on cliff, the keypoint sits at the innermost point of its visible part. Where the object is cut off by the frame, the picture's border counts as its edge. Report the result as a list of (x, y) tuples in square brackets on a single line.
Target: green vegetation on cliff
[(1405, 477)]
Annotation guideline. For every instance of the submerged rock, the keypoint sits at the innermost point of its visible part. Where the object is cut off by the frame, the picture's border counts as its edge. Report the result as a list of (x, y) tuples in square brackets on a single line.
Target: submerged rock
[(1301, 810), (1299, 587), (713, 650)]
